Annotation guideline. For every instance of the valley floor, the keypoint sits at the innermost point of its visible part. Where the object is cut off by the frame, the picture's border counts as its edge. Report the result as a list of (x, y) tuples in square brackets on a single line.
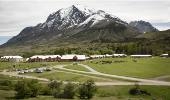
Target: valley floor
[(113, 79)]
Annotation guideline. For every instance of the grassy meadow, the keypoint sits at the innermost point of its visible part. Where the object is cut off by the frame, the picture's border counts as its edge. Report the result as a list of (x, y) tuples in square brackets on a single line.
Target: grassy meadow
[(66, 76), (139, 67), (77, 67), (22, 65)]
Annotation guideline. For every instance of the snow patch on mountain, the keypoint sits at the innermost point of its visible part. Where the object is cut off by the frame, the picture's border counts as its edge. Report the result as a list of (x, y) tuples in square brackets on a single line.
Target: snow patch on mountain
[(85, 10), (94, 19), (78, 15), (65, 12)]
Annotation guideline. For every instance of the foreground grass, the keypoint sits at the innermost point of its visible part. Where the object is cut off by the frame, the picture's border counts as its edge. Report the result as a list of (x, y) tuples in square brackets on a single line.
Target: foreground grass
[(142, 67), (108, 93), (157, 92), (6, 94), (103, 93)]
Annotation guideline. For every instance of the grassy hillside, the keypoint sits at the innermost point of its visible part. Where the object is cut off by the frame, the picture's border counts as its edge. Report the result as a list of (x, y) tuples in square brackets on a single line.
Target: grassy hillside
[(91, 42)]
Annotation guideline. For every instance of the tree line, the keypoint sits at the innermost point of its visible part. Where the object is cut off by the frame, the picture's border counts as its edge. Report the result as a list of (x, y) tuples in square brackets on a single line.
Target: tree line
[(109, 48), (32, 88)]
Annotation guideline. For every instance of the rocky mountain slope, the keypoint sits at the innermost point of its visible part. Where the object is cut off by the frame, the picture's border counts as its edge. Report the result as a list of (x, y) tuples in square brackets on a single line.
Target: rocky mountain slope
[(143, 26)]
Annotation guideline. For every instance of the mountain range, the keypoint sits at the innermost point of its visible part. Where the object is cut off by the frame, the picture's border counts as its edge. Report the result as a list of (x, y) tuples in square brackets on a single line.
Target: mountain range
[(77, 24)]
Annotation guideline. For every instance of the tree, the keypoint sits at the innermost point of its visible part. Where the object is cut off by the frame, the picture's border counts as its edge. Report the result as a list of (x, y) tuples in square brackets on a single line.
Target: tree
[(69, 91), (87, 90), (22, 90), (59, 51), (56, 88), (45, 90), (34, 88), (26, 88)]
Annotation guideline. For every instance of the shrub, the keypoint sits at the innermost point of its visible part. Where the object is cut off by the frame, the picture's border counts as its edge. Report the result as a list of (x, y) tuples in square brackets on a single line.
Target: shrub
[(69, 91), (87, 90), (34, 88), (45, 90), (7, 83), (22, 90), (138, 91), (56, 88), (26, 88)]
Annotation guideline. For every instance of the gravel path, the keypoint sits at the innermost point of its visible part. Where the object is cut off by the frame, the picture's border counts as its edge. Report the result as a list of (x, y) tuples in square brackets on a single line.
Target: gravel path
[(146, 81)]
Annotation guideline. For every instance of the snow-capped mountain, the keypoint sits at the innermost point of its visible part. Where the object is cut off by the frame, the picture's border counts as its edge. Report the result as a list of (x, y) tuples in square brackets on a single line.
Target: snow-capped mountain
[(76, 22), (76, 16)]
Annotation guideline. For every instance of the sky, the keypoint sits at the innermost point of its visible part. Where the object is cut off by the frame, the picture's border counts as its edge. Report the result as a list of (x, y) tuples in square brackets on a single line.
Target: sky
[(18, 14)]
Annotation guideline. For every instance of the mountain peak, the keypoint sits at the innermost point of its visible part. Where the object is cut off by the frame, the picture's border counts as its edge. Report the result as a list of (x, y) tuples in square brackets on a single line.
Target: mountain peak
[(71, 21)]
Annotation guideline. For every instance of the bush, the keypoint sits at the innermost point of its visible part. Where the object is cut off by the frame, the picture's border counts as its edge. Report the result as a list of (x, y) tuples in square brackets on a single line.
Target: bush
[(34, 88), (87, 90), (45, 90), (22, 90), (7, 83), (69, 91), (26, 89), (56, 88), (138, 91)]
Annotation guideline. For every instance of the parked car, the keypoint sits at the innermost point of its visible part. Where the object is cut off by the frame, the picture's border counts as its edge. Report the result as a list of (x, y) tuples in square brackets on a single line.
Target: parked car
[(21, 72), (26, 71), (49, 69), (38, 70)]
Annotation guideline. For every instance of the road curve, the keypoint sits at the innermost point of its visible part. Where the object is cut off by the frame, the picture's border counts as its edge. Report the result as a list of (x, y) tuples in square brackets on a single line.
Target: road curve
[(154, 82)]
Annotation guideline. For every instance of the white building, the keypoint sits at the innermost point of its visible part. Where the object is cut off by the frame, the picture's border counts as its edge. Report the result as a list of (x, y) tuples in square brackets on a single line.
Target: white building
[(164, 55), (140, 56), (97, 56), (12, 58), (48, 58), (73, 57), (107, 55), (119, 55)]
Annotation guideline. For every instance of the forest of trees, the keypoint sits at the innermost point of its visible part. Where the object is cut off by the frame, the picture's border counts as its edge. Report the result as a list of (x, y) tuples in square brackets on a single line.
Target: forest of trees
[(110, 48)]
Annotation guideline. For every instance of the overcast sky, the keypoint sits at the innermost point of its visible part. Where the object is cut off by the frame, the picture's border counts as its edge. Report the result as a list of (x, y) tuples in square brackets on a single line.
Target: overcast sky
[(17, 14)]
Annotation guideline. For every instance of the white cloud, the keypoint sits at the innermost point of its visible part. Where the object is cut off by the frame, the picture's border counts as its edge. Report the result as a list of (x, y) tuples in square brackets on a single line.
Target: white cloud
[(17, 14)]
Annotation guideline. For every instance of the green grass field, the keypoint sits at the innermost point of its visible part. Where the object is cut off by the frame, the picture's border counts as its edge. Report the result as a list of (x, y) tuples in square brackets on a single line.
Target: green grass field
[(77, 67), (10, 65), (142, 68), (65, 76), (165, 79)]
